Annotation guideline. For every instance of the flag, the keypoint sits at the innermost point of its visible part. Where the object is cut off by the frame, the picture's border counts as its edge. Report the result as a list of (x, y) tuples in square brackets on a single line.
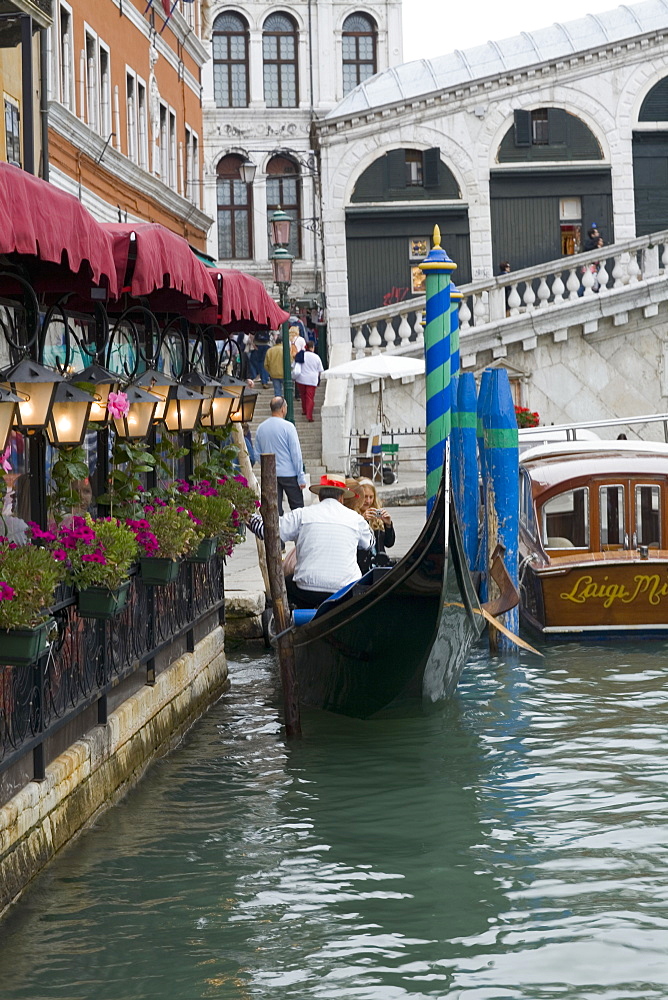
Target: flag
[(167, 7)]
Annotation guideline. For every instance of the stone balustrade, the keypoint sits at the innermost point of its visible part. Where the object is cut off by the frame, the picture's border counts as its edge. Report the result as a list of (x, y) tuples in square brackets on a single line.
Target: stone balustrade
[(502, 300)]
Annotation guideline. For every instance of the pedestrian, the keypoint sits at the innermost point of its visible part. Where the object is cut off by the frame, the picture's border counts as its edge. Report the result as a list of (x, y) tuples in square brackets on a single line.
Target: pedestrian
[(297, 345), (593, 235), (327, 536), (273, 362), (259, 348), (307, 377), (278, 436), (504, 268)]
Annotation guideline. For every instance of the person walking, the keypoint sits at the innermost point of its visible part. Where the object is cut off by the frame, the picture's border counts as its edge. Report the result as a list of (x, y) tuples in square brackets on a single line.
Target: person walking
[(260, 346), (307, 377), (273, 362), (278, 436)]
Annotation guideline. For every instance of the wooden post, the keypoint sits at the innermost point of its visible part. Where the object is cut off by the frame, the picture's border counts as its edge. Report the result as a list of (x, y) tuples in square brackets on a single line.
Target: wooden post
[(279, 596), (247, 471)]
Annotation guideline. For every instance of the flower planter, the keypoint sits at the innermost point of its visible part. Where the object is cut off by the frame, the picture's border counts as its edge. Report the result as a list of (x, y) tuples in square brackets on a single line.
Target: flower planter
[(157, 572), (102, 603), (22, 646), (205, 550)]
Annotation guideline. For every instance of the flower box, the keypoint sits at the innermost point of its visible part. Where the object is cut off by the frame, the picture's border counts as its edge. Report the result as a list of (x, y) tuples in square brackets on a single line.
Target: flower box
[(157, 572), (22, 646), (102, 603), (205, 550)]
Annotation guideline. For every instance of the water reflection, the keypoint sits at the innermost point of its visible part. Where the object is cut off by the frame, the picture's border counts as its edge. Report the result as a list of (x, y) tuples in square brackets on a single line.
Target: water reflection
[(511, 845)]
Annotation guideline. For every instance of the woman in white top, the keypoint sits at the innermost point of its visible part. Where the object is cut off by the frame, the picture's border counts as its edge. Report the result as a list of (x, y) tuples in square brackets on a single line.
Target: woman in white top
[(307, 377)]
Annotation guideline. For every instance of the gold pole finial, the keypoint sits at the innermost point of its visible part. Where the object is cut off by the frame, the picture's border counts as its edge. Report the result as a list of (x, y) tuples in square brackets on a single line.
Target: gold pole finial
[(437, 237)]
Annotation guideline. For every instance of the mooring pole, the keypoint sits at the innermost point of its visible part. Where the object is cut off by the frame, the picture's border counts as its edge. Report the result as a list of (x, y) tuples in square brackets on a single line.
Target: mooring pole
[(437, 267), (470, 492), (247, 471), (279, 596), (483, 402)]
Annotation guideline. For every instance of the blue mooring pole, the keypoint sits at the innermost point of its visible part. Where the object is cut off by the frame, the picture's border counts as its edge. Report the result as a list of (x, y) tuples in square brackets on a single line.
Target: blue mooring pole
[(456, 457), (483, 402), (437, 267), (469, 490), (502, 462), (455, 298)]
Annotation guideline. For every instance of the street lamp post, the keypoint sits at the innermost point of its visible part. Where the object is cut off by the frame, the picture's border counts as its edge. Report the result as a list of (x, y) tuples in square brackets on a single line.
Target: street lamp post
[(281, 262)]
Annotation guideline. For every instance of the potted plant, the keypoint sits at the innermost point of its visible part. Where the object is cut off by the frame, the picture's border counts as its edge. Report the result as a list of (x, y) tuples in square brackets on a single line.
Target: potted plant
[(28, 577), (97, 556), (244, 502), (212, 515), (526, 417), (165, 534)]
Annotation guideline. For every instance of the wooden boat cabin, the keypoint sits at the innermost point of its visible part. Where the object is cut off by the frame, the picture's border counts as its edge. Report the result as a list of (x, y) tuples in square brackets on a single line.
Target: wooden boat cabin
[(594, 538)]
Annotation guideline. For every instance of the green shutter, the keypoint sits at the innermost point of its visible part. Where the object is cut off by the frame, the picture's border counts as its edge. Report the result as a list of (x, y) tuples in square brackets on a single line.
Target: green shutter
[(522, 127), (431, 167), (396, 168)]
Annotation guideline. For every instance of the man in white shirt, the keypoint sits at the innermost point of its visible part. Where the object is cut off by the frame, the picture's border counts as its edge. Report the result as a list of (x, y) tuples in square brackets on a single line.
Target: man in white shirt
[(307, 376), (327, 536)]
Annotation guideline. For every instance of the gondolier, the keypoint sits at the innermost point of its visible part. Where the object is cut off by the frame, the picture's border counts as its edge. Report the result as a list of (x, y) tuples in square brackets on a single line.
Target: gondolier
[(327, 536)]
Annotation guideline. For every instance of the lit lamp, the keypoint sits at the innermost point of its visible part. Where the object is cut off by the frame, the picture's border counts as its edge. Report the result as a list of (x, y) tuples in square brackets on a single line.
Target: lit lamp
[(183, 409), (279, 222), (35, 386), (205, 385), (244, 413), (103, 382), (159, 385), (8, 410), (136, 423), (221, 408), (69, 415)]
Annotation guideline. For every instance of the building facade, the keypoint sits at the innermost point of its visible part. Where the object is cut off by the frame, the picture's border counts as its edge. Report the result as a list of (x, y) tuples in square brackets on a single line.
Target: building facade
[(276, 69), (24, 27), (125, 112), (515, 148)]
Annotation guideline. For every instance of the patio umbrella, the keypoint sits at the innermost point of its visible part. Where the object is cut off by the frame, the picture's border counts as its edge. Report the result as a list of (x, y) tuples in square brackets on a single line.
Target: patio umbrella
[(377, 366)]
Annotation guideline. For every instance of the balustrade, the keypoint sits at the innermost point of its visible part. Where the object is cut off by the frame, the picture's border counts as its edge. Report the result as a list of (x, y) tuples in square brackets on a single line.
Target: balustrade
[(502, 299)]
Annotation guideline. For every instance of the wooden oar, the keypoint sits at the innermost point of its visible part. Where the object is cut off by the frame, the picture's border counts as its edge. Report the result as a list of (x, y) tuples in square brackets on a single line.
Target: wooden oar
[(491, 620)]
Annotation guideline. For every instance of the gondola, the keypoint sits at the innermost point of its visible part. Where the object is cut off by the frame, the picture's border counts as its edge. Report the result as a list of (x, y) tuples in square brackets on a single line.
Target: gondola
[(400, 634)]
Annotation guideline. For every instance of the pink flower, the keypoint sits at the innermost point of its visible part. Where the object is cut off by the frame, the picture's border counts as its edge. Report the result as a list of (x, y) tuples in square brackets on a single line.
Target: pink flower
[(6, 592), (4, 459), (241, 479), (118, 404), (60, 555), (37, 532)]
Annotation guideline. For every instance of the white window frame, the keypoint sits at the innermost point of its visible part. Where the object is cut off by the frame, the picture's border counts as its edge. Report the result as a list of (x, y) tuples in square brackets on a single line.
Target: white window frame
[(106, 127), (142, 123), (131, 116), (173, 177), (164, 142), (63, 57), (91, 79), (192, 177)]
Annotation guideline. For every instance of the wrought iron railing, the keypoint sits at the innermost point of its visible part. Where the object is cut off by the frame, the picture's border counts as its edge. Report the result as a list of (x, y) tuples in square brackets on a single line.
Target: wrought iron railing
[(86, 658)]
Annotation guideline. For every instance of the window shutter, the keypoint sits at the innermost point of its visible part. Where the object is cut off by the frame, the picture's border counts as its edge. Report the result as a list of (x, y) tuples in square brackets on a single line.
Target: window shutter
[(431, 164), (522, 127), (557, 124), (396, 168)]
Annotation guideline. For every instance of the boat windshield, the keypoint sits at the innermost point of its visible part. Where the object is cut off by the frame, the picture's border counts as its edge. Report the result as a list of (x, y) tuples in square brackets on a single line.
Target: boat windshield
[(565, 520)]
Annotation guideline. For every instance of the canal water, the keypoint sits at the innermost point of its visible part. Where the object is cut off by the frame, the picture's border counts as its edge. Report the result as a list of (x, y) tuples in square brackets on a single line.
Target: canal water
[(512, 844)]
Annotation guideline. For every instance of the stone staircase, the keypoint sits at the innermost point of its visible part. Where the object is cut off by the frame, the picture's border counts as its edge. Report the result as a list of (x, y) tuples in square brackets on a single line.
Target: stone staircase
[(310, 434)]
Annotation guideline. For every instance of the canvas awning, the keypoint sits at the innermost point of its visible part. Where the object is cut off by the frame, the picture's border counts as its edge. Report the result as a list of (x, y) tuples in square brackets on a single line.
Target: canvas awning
[(243, 304)]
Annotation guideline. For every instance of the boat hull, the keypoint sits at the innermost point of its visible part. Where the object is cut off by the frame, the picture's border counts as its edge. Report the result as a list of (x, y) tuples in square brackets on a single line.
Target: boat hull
[(598, 598), (403, 638)]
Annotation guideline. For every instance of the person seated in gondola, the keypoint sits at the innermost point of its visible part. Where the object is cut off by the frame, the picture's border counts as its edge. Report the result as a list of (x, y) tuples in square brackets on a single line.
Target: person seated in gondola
[(327, 536), (380, 523)]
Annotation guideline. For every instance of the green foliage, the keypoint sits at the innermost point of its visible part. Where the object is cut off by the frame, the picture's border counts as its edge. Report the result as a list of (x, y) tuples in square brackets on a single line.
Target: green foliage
[(32, 574), (213, 512), (130, 460), (169, 453), (69, 469), (173, 530), (214, 454), (97, 553)]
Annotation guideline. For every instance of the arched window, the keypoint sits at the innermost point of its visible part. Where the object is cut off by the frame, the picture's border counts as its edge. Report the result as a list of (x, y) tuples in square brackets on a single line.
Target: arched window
[(359, 50), (235, 206), (284, 191), (279, 50), (230, 61)]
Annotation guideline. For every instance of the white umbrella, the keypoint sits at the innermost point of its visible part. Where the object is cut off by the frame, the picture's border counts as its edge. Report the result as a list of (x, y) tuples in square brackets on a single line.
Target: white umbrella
[(377, 366)]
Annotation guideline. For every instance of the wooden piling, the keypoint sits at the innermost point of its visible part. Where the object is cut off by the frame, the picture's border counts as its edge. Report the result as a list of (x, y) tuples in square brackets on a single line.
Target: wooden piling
[(247, 472), (279, 596)]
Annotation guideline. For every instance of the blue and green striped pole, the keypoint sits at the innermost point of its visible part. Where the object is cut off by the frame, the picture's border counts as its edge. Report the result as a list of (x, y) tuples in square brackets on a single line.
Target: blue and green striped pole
[(483, 404), (502, 463), (455, 298), (469, 487), (437, 267)]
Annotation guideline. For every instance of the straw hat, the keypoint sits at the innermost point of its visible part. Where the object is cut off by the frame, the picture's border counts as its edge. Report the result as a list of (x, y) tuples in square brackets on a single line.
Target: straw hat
[(332, 482)]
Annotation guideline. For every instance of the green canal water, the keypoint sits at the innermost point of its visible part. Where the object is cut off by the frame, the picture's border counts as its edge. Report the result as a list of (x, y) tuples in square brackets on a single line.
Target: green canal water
[(510, 845)]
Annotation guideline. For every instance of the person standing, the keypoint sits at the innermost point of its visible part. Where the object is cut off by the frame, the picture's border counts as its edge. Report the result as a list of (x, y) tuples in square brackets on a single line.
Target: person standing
[(307, 376), (273, 362), (278, 436), (261, 342)]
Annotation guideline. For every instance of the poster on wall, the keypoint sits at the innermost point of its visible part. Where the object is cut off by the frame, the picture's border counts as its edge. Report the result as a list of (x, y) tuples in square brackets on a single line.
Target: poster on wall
[(417, 281)]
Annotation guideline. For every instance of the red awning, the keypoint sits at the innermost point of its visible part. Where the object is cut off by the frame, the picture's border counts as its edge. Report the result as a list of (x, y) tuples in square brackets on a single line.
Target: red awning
[(243, 304), (164, 264), (40, 220)]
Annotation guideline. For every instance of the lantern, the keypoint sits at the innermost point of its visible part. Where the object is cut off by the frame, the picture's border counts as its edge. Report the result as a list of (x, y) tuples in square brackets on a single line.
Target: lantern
[(281, 263), (8, 410), (183, 409), (247, 171), (136, 423), (103, 382), (280, 223), (244, 413), (159, 385), (203, 384), (35, 386), (221, 408), (69, 415)]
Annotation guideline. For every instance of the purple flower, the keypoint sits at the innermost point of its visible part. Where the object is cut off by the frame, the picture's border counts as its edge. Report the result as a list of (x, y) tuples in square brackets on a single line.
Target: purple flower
[(60, 555), (37, 532), (241, 479), (6, 592)]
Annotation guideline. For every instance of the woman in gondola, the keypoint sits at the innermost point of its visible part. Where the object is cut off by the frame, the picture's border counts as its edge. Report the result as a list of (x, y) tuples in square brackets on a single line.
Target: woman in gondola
[(380, 523)]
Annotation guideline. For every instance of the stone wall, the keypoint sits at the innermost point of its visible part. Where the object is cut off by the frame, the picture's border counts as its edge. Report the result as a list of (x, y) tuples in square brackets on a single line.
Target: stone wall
[(96, 770)]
